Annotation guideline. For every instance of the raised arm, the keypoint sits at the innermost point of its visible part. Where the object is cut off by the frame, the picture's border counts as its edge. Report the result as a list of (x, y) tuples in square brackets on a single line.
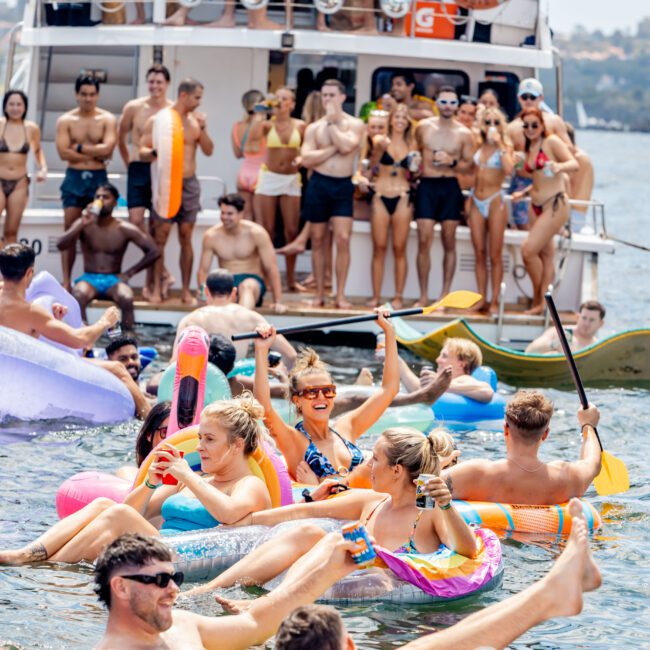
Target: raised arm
[(410, 380), (354, 424), (124, 127), (565, 162), (311, 155), (589, 465), (146, 244), (269, 262), (70, 236)]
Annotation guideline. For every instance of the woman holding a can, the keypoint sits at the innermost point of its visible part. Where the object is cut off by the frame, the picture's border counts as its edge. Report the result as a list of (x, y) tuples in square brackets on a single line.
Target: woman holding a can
[(388, 511)]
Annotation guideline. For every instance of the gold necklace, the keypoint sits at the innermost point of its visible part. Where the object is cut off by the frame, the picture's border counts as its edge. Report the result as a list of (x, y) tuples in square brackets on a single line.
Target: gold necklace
[(530, 471)]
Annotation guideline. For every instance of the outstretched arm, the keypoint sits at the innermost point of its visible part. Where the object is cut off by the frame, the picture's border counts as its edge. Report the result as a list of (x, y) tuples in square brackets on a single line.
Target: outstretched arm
[(473, 388), (547, 342)]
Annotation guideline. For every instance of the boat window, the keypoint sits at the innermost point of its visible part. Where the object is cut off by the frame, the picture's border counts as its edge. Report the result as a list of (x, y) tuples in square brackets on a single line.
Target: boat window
[(505, 85), (427, 80)]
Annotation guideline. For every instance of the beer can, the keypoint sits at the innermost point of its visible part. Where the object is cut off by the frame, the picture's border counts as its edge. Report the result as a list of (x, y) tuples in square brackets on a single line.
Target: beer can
[(422, 499), (357, 533), (114, 332)]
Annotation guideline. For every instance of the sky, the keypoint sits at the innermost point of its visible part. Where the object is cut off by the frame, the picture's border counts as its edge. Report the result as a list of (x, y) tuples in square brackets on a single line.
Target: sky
[(606, 15)]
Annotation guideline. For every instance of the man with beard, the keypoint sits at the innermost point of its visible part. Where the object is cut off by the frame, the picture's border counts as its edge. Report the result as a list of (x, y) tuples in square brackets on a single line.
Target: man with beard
[(447, 148), (104, 241), (124, 350), (135, 579)]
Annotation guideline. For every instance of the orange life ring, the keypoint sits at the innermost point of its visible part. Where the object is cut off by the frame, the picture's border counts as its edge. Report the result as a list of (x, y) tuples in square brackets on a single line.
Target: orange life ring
[(167, 168)]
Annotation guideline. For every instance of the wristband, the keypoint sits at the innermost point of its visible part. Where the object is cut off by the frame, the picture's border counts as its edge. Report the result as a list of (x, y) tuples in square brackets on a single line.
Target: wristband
[(447, 507), (79, 147), (151, 486)]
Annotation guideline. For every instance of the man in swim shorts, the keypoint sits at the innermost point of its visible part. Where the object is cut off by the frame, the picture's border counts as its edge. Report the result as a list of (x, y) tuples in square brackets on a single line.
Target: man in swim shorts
[(591, 317), (521, 477), (135, 578), (245, 249), (85, 139), (224, 315), (330, 149), (559, 593), (104, 241), (195, 135), (447, 148)]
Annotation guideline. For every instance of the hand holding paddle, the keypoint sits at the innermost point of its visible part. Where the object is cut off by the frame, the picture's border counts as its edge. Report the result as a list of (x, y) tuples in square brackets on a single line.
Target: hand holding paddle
[(454, 300), (613, 477)]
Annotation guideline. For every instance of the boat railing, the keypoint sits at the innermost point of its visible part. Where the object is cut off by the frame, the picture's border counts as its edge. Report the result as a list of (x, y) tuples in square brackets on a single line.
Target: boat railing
[(10, 79)]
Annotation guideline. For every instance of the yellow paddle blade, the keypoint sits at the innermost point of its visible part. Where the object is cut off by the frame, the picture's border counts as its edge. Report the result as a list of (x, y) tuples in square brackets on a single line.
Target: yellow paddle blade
[(455, 300), (613, 477)]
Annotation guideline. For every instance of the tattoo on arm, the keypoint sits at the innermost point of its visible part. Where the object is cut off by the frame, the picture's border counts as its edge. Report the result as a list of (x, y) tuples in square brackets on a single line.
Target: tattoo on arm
[(37, 552)]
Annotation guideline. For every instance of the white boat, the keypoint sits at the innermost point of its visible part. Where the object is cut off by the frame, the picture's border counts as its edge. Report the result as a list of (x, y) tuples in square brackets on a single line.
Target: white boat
[(497, 48)]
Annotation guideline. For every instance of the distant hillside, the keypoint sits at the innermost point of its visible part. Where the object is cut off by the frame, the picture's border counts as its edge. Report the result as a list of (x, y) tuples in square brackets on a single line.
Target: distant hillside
[(610, 74)]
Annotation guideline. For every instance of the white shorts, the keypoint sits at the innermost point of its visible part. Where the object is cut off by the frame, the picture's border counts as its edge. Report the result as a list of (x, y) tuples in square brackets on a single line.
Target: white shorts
[(271, 184)]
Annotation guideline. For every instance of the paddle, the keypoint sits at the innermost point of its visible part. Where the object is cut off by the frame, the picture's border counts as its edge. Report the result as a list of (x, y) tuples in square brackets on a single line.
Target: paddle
[(454, 300), (613, 477)]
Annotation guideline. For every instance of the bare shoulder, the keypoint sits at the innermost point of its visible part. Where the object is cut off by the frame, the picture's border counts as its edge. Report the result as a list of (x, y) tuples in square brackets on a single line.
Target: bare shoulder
[(68, 117), (260, 233), (210, 234), (133, 105), (105, 116), (32, 127)]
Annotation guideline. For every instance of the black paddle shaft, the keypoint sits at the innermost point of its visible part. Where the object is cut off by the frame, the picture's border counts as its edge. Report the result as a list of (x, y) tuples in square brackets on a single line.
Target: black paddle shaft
[(329, 323)]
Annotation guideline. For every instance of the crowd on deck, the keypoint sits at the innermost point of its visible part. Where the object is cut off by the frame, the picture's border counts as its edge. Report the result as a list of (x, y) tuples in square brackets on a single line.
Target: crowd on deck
[(453, 160)]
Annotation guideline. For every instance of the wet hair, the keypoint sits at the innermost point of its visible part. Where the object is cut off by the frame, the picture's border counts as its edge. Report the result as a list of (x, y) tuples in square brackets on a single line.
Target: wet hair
[(446, 89), (528, 414), (120, 342), (408, 77), (334, 82), (222, 353), (144, 441), (537, 113), (189, 85), (128, 550), (109, 187), (467, 352), (220, 282), (85, 80), (307, 363), (158, 68), (233, 200), (593, 305), (416, 453), (15, 261), (240, 417), (311, 627), (312, 109), (8, 96), (250, 98)]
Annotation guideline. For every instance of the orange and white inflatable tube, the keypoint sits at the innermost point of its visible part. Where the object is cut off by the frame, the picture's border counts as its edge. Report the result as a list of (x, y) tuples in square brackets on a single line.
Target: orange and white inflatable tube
[(167, 168)]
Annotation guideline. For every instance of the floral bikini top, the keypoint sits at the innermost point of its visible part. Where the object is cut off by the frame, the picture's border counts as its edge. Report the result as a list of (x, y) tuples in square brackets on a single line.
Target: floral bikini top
[(319, 463)]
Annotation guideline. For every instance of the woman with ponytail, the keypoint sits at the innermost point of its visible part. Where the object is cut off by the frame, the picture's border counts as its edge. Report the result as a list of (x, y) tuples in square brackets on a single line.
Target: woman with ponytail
[(388, 511), (229, 433), (313, 449)]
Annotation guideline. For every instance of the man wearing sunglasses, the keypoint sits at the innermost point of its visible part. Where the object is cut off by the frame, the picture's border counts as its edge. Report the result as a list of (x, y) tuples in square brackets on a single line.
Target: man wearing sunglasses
[(447, 148), (136, 580), (531, 95)]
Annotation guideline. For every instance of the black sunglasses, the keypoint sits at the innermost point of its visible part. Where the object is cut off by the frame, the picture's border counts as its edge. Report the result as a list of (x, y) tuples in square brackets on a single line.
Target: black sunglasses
[(492, 122), (159, 579), (527, 97), (531, 125)]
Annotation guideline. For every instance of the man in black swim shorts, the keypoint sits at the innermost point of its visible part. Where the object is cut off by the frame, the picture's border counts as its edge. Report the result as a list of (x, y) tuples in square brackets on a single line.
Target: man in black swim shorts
[(446, 147), (329, 149)]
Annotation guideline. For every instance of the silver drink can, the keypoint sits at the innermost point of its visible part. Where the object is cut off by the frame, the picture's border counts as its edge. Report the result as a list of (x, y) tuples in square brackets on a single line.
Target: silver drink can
[(422, 499)]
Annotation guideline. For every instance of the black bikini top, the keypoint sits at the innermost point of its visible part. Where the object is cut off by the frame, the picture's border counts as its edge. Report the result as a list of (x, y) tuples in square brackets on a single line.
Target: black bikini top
[(389, 161), (4, 147)]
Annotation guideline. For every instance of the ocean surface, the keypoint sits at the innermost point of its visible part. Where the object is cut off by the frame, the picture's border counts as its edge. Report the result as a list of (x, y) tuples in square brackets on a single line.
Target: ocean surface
[(51, 606)]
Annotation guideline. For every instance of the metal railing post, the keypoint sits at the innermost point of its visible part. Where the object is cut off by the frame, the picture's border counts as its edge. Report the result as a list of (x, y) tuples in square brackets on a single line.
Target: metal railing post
[(11, 53), (502, 309)]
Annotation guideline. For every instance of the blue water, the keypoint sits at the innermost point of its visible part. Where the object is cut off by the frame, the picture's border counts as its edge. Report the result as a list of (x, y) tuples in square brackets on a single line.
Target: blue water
[(49, 606)]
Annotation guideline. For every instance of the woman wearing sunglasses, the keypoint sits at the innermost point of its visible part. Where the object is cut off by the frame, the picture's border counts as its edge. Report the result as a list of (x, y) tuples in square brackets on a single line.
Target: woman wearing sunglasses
[(313, 449), (229, 433), (388, 510), (547, 160), (487, 216)]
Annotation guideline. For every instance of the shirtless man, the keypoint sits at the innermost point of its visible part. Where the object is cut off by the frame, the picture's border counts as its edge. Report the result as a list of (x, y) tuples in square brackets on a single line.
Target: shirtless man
[(245, 249), (104, 241), (222, 315), (136, 580), (522, 477), (85, 139), (581, 183), (591, 317), (530, 95), (330, 149), (447, 148), (402, 87), (195, 135)]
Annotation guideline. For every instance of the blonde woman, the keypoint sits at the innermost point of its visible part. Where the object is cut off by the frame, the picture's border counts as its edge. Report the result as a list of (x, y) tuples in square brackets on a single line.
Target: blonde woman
[(488, 217), (229, 433)]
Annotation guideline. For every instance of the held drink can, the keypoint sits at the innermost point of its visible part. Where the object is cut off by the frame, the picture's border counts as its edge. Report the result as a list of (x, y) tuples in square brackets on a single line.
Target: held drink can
[(357, 533), (423, 500), (114, 332)]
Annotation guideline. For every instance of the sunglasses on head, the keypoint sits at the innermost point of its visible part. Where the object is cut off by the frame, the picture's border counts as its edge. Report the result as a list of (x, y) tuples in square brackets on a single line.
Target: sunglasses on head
[(447, 102), (527, 97), (312, 392), (492, 122), (531, 125), (159, 579)]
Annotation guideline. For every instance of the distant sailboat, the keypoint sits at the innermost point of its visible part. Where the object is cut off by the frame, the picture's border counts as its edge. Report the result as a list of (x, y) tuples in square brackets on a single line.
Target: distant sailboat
[(586, 122), (583, 119)]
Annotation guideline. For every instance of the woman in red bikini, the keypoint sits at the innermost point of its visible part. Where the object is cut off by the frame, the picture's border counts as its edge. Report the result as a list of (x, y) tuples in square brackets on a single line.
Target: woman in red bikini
[(547, 160), (17, 137)]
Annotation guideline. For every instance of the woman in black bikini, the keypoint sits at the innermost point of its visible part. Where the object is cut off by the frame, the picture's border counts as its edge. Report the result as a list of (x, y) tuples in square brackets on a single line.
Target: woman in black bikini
[(17, 137), (392, 210), (547, 160)]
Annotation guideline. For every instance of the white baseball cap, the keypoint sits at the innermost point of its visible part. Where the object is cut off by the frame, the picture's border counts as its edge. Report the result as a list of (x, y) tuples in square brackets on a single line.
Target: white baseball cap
[(532, 86)]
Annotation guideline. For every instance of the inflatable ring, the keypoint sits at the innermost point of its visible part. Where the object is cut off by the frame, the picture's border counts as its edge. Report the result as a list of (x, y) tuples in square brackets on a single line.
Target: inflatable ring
[(82, 488), (264, 463), (216, 385), (167, 167)]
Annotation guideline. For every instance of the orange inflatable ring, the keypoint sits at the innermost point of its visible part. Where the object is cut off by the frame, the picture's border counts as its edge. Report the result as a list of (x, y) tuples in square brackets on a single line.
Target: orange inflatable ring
[(262, 463), (167, 168)]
